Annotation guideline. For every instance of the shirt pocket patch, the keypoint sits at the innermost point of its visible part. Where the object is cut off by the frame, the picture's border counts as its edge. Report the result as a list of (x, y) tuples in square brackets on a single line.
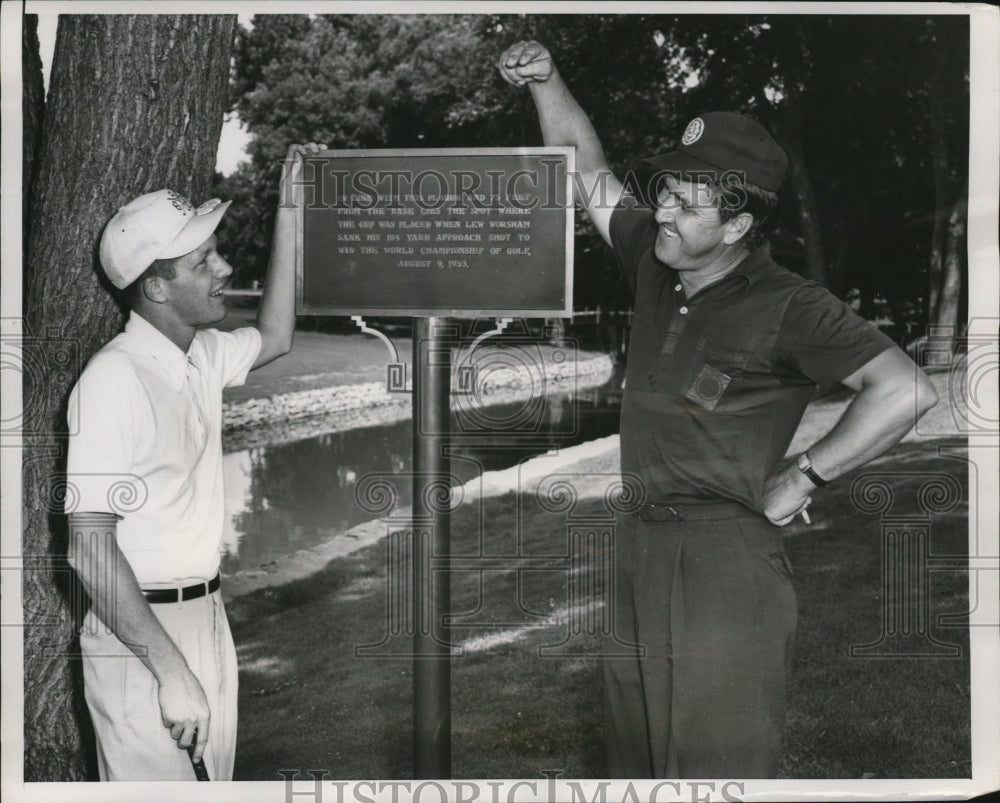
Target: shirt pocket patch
[(708, 386), (715, 367)]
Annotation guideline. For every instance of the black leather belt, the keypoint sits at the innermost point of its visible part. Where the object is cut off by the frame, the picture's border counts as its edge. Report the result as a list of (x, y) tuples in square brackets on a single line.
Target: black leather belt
[(155, 596), (662, 511)]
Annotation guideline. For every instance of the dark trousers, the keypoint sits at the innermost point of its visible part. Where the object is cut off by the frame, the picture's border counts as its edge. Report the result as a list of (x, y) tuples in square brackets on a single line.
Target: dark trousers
[(712, 605)]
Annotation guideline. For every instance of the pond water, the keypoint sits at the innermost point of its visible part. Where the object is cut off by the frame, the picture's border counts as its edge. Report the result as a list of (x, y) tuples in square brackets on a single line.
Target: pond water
[(296, 495)]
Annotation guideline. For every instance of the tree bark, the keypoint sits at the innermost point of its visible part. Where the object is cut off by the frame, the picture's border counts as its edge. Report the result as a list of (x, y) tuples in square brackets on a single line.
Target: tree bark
[(135, 103), (954, 264), (32, 112)]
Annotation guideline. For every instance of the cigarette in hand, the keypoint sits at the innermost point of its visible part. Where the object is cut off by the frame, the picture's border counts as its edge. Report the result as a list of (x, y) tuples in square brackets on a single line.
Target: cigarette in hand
[(805, 517)]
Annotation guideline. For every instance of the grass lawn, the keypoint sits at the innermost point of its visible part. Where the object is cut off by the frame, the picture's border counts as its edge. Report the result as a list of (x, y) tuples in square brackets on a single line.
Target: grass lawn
[(307, 701), (317, 360), (330, 360)]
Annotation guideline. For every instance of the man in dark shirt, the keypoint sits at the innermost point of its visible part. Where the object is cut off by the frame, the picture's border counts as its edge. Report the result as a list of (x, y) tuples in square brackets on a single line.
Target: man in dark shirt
[(725, 352)]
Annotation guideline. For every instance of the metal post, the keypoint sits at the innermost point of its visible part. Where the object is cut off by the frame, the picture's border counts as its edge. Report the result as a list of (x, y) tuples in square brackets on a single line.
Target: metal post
[(432, 539)]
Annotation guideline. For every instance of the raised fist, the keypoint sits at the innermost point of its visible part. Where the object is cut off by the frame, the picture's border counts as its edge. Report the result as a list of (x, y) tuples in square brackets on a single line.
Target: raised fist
[(524, 62)]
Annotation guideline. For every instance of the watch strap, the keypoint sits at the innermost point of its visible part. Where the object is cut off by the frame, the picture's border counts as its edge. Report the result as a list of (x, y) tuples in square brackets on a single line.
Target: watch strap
[(805, 466)]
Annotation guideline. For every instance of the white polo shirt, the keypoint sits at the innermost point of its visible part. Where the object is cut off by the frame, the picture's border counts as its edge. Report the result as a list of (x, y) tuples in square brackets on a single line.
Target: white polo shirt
[(145, 422)]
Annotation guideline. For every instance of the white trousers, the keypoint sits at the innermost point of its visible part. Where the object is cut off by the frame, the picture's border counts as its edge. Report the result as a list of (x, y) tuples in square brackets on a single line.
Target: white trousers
[(122, 694)]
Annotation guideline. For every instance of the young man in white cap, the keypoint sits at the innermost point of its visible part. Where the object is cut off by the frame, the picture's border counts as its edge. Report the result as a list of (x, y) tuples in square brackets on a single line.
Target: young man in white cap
[(145, 485), (725, 352)]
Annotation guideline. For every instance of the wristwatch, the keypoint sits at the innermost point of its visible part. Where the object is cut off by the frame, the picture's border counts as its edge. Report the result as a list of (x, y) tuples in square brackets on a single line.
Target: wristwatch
[(806, 467)]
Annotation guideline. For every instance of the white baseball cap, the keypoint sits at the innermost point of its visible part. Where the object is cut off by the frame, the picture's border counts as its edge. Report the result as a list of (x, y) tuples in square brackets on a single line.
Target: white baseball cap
[(157, 225)]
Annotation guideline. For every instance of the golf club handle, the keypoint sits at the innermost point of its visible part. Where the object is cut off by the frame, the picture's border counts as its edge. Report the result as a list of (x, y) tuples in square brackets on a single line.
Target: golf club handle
[(200, 770)]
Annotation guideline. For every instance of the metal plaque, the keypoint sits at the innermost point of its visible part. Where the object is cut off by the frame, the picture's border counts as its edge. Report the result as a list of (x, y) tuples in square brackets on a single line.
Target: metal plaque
[(436, 232)]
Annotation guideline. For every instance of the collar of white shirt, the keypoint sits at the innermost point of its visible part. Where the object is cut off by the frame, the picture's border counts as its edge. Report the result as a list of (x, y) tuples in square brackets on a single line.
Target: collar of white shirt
[(144, 338)]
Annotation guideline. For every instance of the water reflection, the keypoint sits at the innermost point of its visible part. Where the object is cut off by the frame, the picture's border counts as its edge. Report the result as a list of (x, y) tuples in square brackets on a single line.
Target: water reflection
[(296, 495)]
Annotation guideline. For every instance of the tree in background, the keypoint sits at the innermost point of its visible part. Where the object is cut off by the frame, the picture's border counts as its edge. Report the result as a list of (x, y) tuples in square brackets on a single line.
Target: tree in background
[(364, 81), (949, 131), (849, 99), (873, 111), (403, 81), (135, 103)]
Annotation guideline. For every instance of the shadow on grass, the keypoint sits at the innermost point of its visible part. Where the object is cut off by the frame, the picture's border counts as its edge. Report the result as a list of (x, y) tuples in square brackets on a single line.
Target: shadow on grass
[(307, 701)]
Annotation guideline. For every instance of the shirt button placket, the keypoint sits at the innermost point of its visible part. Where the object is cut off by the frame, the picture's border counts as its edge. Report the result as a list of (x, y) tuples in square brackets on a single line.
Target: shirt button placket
[(194, 382)]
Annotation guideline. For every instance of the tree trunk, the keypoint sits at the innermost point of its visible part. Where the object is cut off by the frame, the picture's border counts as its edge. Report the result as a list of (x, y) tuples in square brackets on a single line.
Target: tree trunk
[(793, 66), (32, 113), (950, 298), (935, 259), (801, 186), (837, 269), (941, 175), (135, 103)]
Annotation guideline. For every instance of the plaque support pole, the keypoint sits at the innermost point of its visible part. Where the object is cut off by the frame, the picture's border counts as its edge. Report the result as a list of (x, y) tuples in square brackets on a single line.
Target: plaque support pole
[(431, 539)]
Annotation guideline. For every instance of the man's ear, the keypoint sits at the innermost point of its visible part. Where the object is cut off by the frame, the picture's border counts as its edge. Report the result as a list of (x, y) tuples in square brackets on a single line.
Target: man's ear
[(737, 228), (153, 289)]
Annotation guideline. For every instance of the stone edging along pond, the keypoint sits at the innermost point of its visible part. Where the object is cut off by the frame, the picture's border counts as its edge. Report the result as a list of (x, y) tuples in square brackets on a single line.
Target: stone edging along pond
[(285, 417)]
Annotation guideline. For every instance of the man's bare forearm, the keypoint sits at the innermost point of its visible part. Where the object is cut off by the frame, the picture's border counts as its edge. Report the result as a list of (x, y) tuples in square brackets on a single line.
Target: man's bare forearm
[(892, 395), (115, 594), (875, 421), (119, 603), (276, 316), (564, 122)]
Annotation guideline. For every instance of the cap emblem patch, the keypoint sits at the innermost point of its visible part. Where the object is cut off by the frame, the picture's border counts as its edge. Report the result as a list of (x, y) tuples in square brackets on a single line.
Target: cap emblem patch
[(179, 202), (693, 131)]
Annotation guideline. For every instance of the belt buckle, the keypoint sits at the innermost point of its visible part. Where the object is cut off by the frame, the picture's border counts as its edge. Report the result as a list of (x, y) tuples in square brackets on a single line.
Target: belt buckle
[(674, 512)]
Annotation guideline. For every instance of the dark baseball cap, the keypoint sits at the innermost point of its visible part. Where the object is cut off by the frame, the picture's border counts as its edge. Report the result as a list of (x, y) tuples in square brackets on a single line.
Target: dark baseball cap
[(723, 142)]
